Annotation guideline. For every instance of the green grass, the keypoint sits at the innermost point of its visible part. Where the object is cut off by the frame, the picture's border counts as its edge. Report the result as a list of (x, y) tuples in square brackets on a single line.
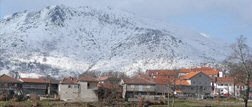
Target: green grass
[(203, 103)]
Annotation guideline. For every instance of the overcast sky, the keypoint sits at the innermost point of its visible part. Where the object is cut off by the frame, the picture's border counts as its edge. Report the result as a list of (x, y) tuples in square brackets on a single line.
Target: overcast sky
[(220, 19)]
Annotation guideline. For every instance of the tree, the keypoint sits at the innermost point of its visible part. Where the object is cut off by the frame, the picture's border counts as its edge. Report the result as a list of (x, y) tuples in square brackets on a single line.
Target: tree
[(240, 63), (109, 89)]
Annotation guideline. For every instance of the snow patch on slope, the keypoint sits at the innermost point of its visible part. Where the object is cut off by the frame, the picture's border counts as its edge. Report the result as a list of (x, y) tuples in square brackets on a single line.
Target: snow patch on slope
[(60, 40)]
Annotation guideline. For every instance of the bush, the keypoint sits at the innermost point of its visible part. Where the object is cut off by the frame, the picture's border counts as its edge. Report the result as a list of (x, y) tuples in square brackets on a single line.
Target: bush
[(8, 104), (34, 97)]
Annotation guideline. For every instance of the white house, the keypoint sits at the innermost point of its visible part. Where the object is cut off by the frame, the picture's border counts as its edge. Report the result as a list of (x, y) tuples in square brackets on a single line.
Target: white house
[(226, 86), (78, 90)]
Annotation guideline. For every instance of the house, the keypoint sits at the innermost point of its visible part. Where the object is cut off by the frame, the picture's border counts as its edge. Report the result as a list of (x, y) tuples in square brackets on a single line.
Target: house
[(194, 84), (36, 86), (69, 89), (9, 84), (108, 87), (136, 87), (88, 88), (226, 86), (52, 85), (78, 90), (211, 72), (164, 80)]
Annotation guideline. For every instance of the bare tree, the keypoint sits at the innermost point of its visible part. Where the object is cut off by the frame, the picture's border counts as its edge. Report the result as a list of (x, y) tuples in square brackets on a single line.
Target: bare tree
[(240, 62)]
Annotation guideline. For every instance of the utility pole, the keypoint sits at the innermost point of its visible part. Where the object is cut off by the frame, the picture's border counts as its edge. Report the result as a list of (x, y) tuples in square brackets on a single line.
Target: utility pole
[(173, 91), (168, 96)]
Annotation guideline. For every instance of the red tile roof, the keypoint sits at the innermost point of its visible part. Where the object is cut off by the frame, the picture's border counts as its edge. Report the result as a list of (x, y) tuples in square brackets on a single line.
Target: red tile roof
[(164, 81), (162, 72), (87, 79), (225, 80), (183, 70), (103, 78), (207, 70), (190, 75), (138, 80), (182, 82), (7, 79), (33, 80), (69, 80)]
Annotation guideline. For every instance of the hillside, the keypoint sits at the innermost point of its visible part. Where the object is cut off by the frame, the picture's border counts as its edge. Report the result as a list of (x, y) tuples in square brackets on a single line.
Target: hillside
[(62, 41)]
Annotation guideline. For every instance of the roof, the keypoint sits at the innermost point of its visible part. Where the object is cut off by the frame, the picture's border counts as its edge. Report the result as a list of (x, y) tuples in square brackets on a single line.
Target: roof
[(69, 80), (163, 80), (207, 70), (87, 79), (182, 82), (225, 80), (33, 80), (102, 78), (137, 80), (7, 79), (52, 80), (162, 72), (183, 70), (190, 75)]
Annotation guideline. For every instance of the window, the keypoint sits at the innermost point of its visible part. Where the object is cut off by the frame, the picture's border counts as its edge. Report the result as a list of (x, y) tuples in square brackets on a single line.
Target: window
[(141, 87), (88, 85)]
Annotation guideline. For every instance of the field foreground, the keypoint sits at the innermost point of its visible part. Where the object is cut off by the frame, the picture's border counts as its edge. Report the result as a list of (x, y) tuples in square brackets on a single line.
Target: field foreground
[(180, 103)]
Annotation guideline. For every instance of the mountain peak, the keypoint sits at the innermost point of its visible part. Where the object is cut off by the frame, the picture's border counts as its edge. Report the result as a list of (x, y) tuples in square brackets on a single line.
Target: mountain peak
[(60, 40), (58, 14)]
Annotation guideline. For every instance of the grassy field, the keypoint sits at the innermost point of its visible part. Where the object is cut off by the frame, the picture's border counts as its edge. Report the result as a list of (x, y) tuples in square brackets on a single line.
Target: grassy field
[(42, 104), (178, 103), (206, 103)]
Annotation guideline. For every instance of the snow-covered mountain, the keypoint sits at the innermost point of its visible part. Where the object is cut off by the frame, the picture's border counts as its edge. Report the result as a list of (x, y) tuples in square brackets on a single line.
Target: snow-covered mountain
[(60, 40)]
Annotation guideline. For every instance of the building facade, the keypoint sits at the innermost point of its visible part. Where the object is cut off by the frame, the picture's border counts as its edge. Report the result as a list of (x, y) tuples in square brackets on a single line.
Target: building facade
[(78, 90), (136, 87), (194, 84)]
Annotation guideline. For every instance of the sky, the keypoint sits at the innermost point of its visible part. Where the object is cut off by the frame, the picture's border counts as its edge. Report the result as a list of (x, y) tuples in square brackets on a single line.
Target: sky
[(223, 20)]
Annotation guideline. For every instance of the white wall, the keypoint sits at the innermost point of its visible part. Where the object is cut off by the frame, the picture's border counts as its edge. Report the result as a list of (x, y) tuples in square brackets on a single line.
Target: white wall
[(68, 94), (78, 92), (88, 94)]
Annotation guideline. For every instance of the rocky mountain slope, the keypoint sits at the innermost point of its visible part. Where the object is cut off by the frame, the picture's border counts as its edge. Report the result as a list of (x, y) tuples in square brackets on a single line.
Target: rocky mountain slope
[(60, 40)]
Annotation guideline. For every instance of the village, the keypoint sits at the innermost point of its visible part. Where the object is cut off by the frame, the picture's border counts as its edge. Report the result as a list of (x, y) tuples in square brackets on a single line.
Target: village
[(156, 86)]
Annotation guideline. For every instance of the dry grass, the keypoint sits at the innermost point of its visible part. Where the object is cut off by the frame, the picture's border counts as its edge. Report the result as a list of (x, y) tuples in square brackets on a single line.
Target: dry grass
[(178, 103)]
